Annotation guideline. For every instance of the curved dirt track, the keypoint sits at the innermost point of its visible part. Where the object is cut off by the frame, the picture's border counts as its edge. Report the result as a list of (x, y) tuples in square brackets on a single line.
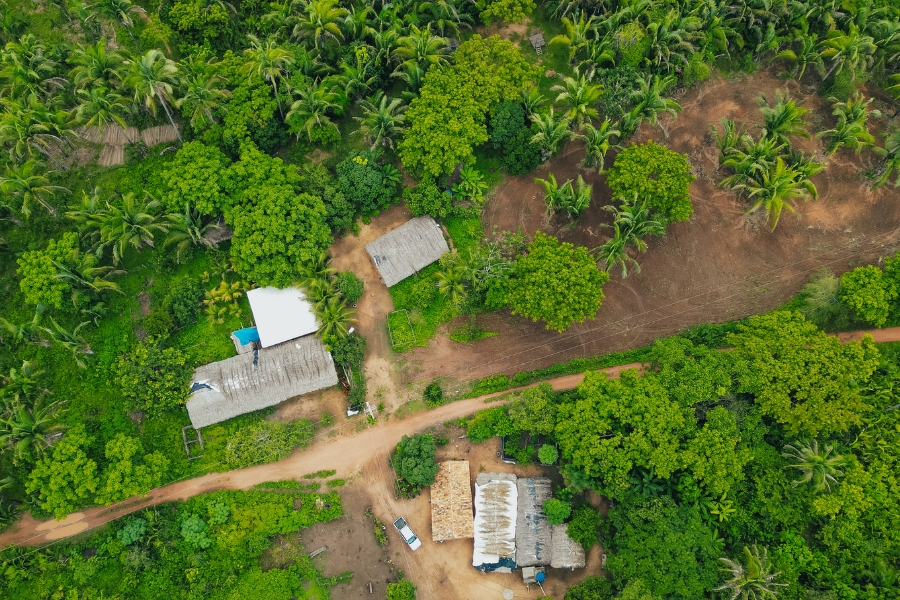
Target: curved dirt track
[(346, 455)]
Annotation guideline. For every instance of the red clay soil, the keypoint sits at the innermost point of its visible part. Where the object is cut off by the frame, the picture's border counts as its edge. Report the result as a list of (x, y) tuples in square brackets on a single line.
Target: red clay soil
[(716, 267)]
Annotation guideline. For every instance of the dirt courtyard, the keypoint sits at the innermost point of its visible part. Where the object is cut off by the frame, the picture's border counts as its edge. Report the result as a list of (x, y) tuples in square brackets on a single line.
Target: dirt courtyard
[(718, 266), (441, 571)]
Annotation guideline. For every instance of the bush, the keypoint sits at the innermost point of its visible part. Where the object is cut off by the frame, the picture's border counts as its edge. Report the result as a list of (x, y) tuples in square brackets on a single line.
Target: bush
[(866, 291), (584, 527), (132, 532), (194, 532), (427, 199), (402, 590), (266, 441), (349, 350), (656, 174), (413, 460), (594, 587), (488, 423), (340, 213), (194, 177), (154, 378), (159, 322), (422, 293), (350, 286), (37, 271), (557, 511), (520, 154), (184, 301), (507, 119), (548, 455), (364, 184), (434, 395)]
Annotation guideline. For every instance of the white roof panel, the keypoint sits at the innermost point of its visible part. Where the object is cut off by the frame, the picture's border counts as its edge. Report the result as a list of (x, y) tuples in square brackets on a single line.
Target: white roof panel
[(281, 315)]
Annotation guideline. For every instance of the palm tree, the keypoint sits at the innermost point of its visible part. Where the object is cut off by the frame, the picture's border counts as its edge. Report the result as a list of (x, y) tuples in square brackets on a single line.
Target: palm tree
[(749, 157), (891, 154), (554, 194), (189, 229), (650, 102), (23, 384), (86, 278), (95, 66), (632, 224), (851, 129), (29, 127), (578, 34), (783, 120), (773, 188), (203, 93), (318, 21), (311, 110), (25, 183), (598, 143), (70, 340), (848, 50), (579, 199), (670, 39), (335, 318), (817, 467), (581, 96), (533, 101), (807, 54), (134, 223), (472, 184), (98, 107), (550, 132), (29, 70), (319, 268), (119, 11), (270, 62), (152, 77), (445, 15), (382, 121), (30, 429), (421, 48), (450, 282), (755, 581)]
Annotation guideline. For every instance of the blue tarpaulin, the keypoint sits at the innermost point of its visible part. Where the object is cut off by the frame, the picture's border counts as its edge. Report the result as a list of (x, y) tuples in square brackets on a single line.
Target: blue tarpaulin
[(246, 335)]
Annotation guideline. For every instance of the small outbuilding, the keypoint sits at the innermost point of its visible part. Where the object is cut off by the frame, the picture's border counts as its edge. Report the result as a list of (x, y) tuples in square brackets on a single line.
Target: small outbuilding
[(496, 497), (259, 379), (451, 502), (281, 315), (408, 249), (567, 553), (533, 537)]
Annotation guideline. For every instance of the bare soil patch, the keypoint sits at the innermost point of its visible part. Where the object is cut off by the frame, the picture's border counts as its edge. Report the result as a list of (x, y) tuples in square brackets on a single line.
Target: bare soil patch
[(716, 267), (312, 406)]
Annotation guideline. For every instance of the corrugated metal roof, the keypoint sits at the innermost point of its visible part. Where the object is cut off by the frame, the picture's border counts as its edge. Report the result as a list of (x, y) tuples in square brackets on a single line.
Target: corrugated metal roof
[(407, 249), (281, 315), (533, 539), (258, 380)]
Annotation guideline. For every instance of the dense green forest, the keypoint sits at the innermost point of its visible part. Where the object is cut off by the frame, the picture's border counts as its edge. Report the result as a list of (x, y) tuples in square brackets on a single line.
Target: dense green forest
[(293, 122)]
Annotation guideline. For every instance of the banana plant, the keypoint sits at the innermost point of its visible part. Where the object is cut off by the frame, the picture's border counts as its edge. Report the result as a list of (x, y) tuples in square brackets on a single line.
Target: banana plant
[(598, 141), (851, 129)]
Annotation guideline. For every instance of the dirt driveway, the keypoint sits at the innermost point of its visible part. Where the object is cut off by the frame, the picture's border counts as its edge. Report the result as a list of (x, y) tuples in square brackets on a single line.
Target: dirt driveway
[(716, 267)]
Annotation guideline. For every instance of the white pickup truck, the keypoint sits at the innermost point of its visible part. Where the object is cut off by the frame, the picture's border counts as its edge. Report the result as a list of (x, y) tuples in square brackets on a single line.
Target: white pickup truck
[(407, 533)]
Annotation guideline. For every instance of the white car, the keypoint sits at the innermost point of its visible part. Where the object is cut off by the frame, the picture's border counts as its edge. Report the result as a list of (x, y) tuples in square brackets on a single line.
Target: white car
[(407, 533)]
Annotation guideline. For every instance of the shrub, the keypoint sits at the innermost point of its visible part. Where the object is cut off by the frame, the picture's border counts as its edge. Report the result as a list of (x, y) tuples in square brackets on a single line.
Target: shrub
[(132, 532), (194, 178), (350, 286), (520, 154), (402, 590), (488, 423), (37, 271), (507, 119), (656, 174), (340, 213), (434, 395), (194, 532), (184, 301), (363, 182), (422, 293), (427, 199), (866, 291), (349, 350), (159, 322), (557, 511), (413, 460), (594, 587), (154, 378), (266, 441), (584, 527), (548, 455)]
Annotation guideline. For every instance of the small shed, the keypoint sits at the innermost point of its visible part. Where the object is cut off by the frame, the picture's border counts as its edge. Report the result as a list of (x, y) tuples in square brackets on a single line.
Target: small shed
[(496, 497), (281, 315), (407, 249), (567, 553), (451, 502), (537, 42), (533, 537), (259, 379), (245, 340)]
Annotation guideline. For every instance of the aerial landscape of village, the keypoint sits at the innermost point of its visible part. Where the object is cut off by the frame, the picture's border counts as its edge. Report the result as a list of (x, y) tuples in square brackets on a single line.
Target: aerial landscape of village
[(450, 299)]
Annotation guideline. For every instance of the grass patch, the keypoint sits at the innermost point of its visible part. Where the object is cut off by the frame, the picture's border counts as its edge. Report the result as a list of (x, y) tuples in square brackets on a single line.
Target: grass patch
[(465, 232), (401, 332), (320, 474), (335, 483), (470, 332), (410, 408)]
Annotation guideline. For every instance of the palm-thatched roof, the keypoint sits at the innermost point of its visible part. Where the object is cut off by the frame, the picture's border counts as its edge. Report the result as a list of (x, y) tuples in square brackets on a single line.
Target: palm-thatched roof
[(407, 249), (256, 380), (495, 522), (451, 502), (567, 553), (533, 538)]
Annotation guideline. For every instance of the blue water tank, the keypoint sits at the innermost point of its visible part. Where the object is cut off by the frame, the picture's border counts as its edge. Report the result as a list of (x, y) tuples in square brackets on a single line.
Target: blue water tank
[(539, 577)]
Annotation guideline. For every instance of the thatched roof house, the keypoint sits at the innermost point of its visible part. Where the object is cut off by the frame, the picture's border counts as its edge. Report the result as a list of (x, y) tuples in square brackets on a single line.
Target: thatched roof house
[(567, 553), (495, 522), (407, 249), (281, 315), (260, 379), (451, 502), (533, 538)]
